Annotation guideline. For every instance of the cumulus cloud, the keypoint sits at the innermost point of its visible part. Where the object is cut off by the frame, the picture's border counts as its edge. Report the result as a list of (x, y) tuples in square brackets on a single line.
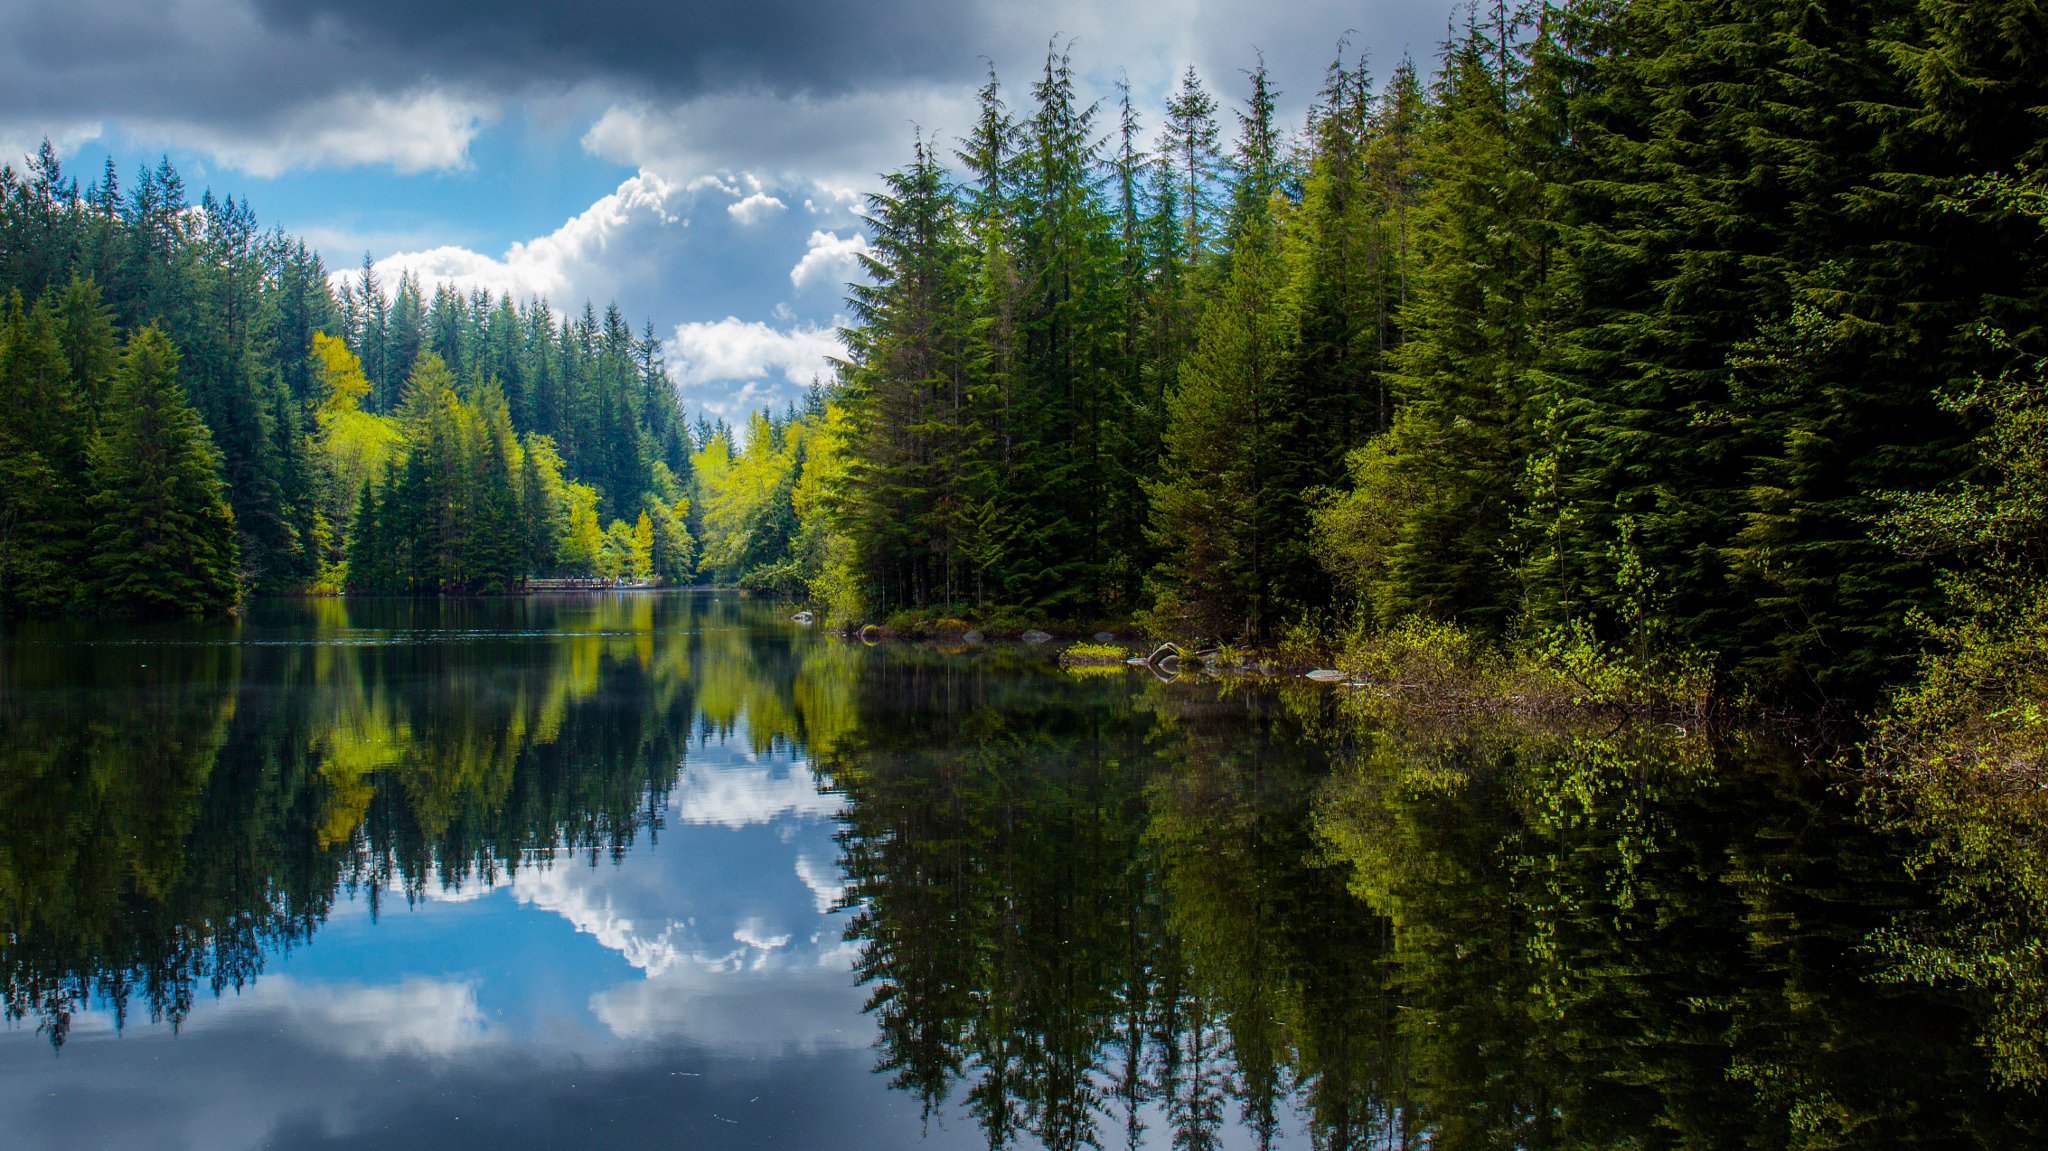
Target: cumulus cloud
[(754, 933), (652, 946), (829, 260), (826, 884), (214, 77), (416, 1016), (416, 132), (800, 140), (732, 366), (736, 349), (736, 797), (21, 142), (755, 208), (806, 1011), (622, 239)]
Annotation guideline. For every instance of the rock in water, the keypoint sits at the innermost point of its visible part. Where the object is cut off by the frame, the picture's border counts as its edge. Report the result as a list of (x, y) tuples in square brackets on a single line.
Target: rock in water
[(1036, 636), (1104, 637), (973, 637), (1327, 675)]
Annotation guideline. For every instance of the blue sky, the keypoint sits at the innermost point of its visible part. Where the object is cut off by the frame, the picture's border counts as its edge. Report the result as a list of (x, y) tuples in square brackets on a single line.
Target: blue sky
[(700, 164)]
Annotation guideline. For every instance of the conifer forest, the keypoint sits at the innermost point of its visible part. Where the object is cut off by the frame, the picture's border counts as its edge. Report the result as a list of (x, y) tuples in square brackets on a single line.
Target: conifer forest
[(1488, 597), (1642, 327)]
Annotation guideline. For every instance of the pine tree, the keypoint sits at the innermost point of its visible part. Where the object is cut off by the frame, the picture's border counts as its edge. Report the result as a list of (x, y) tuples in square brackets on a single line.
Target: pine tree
[(1430, 526), (494, 554), (1214, 515), (1189, 150), (48, 435), (908, 385), (164, 540)]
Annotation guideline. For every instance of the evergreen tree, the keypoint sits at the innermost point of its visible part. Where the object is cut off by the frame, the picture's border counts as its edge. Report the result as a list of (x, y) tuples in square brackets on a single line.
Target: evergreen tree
[(908, 385), (1429, 526), (1189, 150), (1217, 511), (43, 440), (164, 540)]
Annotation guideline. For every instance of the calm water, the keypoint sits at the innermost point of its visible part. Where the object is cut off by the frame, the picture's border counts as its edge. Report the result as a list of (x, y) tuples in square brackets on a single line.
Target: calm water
[(667, 870)]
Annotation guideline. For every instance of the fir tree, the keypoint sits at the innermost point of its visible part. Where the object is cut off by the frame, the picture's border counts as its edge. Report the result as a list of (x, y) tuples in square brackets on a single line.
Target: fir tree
[(164, 540)]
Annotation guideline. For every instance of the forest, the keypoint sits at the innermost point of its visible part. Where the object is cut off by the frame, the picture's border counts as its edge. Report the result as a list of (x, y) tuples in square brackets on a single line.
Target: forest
[(194, 412), (1647, 328), (1662, 327)]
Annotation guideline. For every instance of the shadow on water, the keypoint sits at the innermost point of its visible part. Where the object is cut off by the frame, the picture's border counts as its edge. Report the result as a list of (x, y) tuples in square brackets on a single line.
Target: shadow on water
[(1089, 910)]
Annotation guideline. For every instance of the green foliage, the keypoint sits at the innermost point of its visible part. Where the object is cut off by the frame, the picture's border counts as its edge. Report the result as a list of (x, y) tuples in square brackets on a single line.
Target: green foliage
[(163, 535), (308, 394), (1962, 752)]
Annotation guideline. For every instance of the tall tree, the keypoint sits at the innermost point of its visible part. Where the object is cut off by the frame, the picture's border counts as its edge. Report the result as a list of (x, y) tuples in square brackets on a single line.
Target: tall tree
[(164, 540)]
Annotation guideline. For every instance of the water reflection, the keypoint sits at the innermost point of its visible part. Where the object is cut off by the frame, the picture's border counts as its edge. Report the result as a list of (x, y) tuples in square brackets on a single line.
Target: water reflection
[(661, 868)]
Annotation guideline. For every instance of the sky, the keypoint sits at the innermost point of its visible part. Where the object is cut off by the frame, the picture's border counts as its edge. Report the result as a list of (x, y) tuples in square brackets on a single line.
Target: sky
[(701, 164)]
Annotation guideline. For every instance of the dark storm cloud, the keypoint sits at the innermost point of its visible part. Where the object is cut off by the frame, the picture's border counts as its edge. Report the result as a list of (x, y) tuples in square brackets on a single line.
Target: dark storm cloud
[(777, 86), (655, 48), (242, 78), (250, 60)]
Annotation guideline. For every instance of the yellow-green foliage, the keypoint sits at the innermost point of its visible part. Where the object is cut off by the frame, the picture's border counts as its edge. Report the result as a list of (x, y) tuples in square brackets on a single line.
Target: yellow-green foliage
[(1088, 651), (825, 550), (615, 550), (353, 444), (1961, 755), (745, 498), (1441, 666), (579, 548)]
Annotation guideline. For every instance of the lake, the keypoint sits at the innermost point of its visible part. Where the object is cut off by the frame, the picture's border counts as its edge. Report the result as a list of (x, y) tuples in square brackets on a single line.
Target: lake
[(668, 869)]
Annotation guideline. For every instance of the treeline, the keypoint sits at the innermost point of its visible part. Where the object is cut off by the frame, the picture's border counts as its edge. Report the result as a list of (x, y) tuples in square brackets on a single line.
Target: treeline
[(446, 443), (1627, 325)]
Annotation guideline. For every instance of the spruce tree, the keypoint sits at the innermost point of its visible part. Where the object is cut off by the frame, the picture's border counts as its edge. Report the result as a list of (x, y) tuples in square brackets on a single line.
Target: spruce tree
[(164, 538), (47, 443), (1218, 512)]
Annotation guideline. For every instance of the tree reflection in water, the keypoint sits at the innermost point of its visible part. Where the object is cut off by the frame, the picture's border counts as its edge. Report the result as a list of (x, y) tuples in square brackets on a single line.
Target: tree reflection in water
[(1135, 913), (178, 801), (1090, 911)]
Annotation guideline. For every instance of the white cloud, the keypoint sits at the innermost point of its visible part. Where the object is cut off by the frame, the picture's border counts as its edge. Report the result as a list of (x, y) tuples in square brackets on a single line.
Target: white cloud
[(622, 238), (733, 366), (835, 142), (755, 208), (754, 933), (768, 1009), (416, 1016), (592, 911), (736, 797), (20, 142), (829, 259), (827, 885), (420, 131)]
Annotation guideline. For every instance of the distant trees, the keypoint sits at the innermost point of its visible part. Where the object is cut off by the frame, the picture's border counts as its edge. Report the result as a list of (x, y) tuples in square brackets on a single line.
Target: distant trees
[(377, 438)]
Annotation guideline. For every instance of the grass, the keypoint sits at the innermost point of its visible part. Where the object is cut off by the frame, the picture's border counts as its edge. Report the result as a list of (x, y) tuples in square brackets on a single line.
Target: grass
[(1088, 653)]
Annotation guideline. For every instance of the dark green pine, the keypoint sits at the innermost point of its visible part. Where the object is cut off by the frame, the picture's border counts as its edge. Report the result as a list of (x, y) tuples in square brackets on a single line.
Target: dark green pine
[(164, 540)]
